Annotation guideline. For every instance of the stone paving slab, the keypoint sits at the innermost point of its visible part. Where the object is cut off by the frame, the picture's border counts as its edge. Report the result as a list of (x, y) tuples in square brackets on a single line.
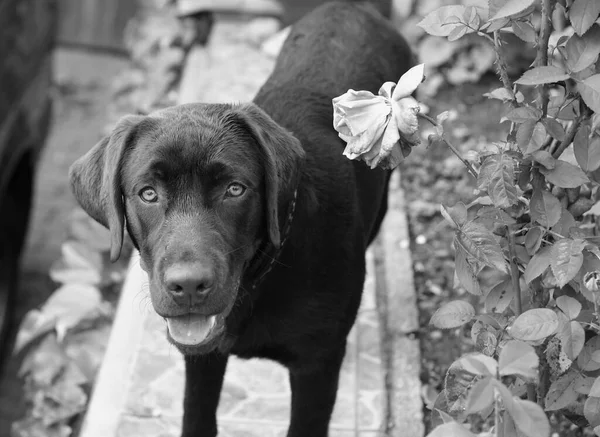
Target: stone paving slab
[(145, 399)]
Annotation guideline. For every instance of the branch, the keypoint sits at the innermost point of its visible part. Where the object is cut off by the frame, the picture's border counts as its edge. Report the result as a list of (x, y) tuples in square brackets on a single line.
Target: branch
[(454, 150), (501, 65), (542, 52)]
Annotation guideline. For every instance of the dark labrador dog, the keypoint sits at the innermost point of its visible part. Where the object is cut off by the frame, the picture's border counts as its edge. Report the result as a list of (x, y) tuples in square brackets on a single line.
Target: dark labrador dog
[(251, 224)]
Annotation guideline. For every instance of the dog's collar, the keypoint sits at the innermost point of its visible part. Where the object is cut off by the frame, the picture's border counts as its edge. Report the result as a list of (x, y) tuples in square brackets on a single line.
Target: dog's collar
[(284, 235)]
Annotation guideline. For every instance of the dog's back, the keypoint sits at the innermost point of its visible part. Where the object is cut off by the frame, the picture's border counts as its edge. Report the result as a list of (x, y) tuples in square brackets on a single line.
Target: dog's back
[(338, 46)]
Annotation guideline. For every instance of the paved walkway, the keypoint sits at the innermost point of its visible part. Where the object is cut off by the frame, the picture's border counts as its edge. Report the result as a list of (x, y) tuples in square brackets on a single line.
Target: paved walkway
[(140, 386)]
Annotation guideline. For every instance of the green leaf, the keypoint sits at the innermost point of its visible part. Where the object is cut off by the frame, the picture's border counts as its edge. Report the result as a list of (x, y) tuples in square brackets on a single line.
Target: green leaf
[(562, 392), (594, 210), (566, 222), (525, 31), (584, 385), (587, 153), (465, 272), (453, 314), (554, 128), (595, 390), (497, 177), (591, 411), (590, 92), (478, 364), (572, 339), (499, 297), (512, 8), (533, 240), (586, 360), (542, 75), (535, 324), (518, 358), (455, 215), (565, 175), (480, 244), (568, 305), (523, 114), (530, 419), (545, 158), (538, 264), (480, 396), (436, 22), (500, 94), (566, 258), (583, 13), (452, 429), (545, 208), (582, 51)]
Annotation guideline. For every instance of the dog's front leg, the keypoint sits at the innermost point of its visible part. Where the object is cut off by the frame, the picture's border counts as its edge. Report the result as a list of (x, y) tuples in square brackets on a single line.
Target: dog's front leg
[(203, 382), (313, 397)]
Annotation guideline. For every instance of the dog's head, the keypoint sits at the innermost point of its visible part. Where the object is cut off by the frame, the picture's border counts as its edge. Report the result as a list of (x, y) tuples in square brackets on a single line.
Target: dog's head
[(199, 188)]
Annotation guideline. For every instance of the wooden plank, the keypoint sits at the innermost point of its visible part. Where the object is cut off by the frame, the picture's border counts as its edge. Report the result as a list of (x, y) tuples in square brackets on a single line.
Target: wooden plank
[(98, 24)]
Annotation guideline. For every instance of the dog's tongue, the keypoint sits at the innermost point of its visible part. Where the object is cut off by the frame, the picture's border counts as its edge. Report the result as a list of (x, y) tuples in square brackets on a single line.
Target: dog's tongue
[(191, 329)]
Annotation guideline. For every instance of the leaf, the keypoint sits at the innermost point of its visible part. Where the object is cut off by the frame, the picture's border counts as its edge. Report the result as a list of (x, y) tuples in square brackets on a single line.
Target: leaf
[(568, 305), (435, 23), (565, 175), (453, 314), (538, 137), (530, 419), (480, 243), (590, 92), (534, 324), (545, 158), (480, 396), (465, 272), (497, 177), (583, 13), (525, 31), (499, 297), (452, 429), (523, 114), (582, 51), (533, 240), (572, 339), (538, 264), (566, 258), (79, 264), (542, 75), (554, 128), (500, 94), (594, 210), (456, 215), (478, 364), (518, 358), (587, 153), (595, 390), (512, 8), (591, 411), (562, 392), (586, 360), (584, 385), (545, 208)]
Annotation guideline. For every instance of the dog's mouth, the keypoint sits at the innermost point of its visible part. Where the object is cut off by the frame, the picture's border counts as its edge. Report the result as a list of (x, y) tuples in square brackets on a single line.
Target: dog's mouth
[(192, 329)]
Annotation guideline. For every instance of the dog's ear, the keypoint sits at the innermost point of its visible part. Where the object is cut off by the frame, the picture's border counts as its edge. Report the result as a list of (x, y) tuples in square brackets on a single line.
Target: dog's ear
[(96, 183), (282, 155)]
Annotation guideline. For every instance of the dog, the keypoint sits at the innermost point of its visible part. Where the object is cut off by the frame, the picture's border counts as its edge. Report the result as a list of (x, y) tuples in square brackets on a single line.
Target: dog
[(251, 224)]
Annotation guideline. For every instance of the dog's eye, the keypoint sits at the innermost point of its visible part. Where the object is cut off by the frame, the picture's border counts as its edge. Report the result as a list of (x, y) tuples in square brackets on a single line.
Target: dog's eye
[(149, 195), (235, 190)]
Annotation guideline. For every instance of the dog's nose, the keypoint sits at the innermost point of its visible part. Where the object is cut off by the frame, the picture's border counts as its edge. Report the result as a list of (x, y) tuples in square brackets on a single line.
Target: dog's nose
[(189, 283)]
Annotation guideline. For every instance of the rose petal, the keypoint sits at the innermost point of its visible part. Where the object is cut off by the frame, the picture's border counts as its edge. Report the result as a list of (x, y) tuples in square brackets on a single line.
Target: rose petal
[(387, 90), (409, 82), (358, 110), (364, 142), (405, 111)]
